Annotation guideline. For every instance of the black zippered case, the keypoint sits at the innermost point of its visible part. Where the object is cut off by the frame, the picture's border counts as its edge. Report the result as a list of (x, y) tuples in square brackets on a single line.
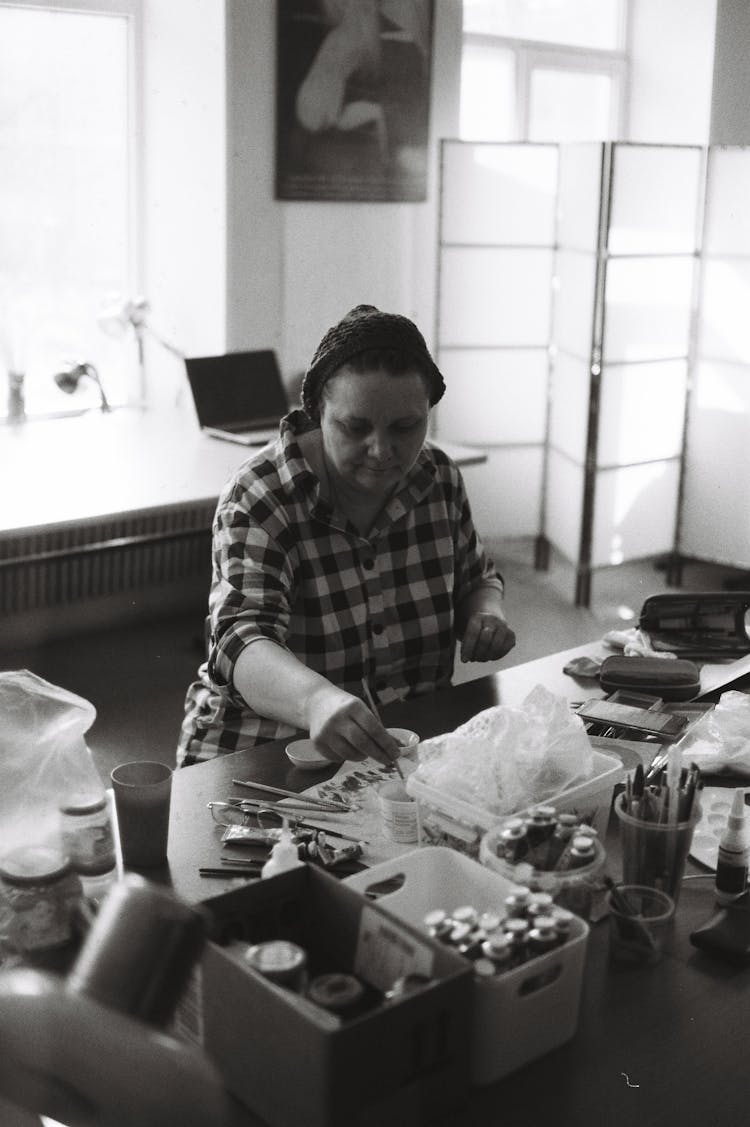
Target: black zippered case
[(670, 679)]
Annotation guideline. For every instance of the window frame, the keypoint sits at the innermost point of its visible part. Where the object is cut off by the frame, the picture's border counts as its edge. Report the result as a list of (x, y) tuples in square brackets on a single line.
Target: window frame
[(533, 54), (132, 12)]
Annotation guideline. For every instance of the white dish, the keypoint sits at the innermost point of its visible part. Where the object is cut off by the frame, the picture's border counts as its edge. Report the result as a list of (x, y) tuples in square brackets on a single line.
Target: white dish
[(305, 755)]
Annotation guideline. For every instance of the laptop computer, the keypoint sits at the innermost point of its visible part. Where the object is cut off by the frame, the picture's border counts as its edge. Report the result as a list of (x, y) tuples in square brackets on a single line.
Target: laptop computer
[(239, 396)]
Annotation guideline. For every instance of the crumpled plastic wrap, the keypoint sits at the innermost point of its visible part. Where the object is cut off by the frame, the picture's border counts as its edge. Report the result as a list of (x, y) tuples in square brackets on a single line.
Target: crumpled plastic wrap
[(43, 756), (634, 643), (720, 740), (505, 759)]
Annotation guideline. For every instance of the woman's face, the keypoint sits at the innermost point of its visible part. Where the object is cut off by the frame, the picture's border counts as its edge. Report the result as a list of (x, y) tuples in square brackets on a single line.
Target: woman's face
[(373, 427)]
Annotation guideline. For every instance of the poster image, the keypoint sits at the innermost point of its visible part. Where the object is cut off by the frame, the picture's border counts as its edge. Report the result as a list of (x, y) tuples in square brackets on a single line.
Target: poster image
[(352, 99)]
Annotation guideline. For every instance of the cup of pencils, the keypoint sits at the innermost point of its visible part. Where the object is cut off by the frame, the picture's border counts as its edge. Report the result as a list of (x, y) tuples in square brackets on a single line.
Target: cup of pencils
[(657, 820)]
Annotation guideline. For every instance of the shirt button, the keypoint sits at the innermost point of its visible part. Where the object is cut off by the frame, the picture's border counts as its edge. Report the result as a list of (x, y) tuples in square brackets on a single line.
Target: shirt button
[(368, 564), (377, 628)]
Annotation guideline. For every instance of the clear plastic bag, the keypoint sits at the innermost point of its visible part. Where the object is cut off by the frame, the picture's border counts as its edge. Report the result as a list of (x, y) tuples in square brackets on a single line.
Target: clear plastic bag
[(505, 759), (720, 740), (43, 757)]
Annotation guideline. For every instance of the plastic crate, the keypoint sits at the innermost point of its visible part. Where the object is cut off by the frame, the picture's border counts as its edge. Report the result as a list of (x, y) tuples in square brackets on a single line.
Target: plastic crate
[(444, 820), (522, 1013)]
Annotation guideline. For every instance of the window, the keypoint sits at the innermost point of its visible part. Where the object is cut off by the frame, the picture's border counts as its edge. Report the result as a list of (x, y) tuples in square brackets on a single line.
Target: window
[(67, 204), (542, 70)]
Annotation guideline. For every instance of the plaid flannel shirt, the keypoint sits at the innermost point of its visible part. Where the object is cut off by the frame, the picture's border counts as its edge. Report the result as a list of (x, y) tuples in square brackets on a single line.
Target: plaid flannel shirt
[(288, 567)]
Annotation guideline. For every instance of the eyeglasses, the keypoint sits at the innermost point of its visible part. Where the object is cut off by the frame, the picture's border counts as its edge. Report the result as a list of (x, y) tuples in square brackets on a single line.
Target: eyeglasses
[(237, 814), (269, 820)]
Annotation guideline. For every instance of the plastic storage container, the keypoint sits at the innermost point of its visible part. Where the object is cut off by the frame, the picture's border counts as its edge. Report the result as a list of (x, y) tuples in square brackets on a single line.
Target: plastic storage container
[(448, 821), (570, 888), (521, 1013)]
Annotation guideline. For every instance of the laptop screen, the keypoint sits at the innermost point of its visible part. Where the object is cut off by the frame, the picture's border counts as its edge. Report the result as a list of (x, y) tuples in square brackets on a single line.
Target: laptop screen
[(238, 389)]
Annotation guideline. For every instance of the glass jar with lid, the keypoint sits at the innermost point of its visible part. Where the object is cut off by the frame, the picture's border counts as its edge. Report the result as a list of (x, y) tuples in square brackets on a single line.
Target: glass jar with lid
[(41, 897), (88, 840)]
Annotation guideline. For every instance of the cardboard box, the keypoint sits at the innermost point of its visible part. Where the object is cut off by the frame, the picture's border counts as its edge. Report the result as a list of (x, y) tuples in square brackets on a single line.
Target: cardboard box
[(518, 1015), (293, 1063)]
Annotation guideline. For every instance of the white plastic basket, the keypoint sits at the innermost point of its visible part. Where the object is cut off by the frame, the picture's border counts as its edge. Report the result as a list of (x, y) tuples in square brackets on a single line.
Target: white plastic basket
[(444, 820), (522, 1013)]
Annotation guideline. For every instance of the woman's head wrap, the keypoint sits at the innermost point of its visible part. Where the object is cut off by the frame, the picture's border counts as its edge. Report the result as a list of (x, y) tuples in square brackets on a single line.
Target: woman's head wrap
[(365, 327)]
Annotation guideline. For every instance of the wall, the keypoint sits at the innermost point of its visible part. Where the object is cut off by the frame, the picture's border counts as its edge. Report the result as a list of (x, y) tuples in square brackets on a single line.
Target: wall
[(293, 269), (730, 108), (672, 48), (230, 267), (183, 270)]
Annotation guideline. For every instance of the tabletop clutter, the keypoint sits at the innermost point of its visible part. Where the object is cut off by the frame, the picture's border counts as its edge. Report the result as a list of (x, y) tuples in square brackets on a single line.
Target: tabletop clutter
[(412, 932)]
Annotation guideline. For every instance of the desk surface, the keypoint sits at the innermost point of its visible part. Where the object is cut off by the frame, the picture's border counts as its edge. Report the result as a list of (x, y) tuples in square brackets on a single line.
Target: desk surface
[(654, 1046), (129, 461)]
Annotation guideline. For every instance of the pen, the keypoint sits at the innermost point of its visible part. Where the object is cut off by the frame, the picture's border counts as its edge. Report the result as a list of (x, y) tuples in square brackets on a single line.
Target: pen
[(374, 710), (249, 874)]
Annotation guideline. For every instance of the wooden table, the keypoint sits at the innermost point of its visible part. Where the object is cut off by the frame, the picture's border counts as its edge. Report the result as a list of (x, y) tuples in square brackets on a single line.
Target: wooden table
[(654, 1046)]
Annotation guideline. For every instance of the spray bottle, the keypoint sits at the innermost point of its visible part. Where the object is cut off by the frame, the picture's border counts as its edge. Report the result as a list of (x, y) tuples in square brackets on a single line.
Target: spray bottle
[(732, 863), (284, 854)]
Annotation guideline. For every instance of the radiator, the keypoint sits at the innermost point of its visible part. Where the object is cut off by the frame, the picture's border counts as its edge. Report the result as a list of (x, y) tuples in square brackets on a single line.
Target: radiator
[(62, 566)]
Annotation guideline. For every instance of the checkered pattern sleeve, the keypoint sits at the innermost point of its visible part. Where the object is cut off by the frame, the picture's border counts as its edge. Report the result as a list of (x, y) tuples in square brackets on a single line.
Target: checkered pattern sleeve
[(253, 553)]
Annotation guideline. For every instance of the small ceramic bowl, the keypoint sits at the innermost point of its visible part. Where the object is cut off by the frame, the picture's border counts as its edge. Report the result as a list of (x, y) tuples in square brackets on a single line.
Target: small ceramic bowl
[(404, 737), (305, 755)]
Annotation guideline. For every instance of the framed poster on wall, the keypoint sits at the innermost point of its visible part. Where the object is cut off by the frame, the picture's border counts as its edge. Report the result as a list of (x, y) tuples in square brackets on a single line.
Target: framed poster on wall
[(352, 99)]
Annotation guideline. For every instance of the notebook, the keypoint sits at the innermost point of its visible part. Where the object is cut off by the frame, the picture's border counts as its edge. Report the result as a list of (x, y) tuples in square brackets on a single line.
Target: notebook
[(239, 396)]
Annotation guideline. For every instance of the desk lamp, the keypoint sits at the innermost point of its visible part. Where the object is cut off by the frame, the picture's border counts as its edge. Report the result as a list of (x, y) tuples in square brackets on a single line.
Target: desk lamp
[(89, 1050), (123, 314), (69, 379)]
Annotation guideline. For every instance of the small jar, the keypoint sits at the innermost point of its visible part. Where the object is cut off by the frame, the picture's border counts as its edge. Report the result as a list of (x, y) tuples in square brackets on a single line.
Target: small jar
[(342, 994), (87, 835), (281, 962), (42, 896)]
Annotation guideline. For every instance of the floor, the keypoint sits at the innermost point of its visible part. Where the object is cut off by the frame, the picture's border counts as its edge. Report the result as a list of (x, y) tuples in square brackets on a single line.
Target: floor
[(136, 677)]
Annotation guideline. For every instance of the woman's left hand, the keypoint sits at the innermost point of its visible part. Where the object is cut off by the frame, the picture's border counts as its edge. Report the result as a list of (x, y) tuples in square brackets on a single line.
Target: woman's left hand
[(487, 637)]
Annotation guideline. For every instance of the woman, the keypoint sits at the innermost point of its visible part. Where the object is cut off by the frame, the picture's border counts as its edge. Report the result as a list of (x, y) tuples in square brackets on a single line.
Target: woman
[(345, 561)]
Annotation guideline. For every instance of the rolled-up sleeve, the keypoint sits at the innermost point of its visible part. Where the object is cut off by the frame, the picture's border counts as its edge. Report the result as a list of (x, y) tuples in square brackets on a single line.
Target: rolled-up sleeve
[(253, 579)]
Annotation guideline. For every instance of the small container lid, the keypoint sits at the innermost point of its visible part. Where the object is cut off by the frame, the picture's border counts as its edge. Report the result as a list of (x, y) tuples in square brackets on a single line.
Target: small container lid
[(81, 804), (30, 864), (276, 956), (337, 992)]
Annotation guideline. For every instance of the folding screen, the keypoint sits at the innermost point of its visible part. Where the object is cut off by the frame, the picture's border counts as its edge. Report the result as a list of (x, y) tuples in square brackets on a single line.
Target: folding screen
[(496, 258), (566, 300), (626, 263), (715, 511)]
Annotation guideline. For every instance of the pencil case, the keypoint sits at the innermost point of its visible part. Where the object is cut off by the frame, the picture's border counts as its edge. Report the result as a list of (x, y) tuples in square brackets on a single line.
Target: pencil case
[(677, 679)]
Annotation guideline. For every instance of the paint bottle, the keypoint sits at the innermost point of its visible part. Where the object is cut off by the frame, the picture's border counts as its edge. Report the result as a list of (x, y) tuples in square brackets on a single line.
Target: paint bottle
[(732, 862), (284, 855)]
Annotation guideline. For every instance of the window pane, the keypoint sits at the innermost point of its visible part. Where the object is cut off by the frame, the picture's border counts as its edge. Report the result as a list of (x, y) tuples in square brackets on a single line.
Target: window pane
[(64, 198), (487, 94), (581, 23), (568, 105)]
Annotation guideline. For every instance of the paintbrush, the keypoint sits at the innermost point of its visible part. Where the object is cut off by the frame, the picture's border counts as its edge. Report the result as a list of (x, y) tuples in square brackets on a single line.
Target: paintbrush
[(302, 799), (374, 710)]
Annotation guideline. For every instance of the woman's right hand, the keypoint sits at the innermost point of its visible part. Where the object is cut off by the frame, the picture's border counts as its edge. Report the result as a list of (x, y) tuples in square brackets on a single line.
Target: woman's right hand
[(342, 727)]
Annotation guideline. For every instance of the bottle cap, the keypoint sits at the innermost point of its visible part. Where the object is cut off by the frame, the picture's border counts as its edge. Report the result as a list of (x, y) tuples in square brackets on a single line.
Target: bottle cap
[(736, 819)]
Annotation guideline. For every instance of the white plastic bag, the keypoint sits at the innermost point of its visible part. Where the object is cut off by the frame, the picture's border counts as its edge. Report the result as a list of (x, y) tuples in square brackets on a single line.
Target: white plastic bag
[(43, 756), (720, 740), (504, 758)]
